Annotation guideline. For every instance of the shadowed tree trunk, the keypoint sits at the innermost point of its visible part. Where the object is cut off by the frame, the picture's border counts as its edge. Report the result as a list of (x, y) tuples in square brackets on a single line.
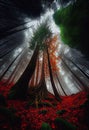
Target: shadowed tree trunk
[(32, 79), (44, 91), (38, 91), (37, 68), (19, 90), (51, 77)]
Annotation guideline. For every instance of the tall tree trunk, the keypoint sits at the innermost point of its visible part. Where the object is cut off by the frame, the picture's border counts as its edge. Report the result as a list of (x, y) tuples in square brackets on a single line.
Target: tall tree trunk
[(39, 91), (9, 79), (83, 85), (10, 66), (37, 71), (6, 52), (60, 84), (34, 78), (51, 77), (19, 90), (5, 34), (80, 69), (44, 91)]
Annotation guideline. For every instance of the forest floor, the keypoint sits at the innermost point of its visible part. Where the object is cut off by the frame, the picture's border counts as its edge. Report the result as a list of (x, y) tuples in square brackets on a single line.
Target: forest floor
[(24, 115)]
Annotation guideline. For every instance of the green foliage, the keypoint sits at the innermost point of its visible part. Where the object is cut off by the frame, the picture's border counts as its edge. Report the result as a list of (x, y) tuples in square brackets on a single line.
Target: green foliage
[(2, 100), (74, 24), (39, 35), (61, 112), (45, 126), (65, 125), (43, 112), (47, 104)]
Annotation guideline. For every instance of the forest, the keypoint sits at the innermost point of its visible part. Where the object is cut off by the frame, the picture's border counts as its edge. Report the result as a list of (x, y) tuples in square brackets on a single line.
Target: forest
[(44, 66)]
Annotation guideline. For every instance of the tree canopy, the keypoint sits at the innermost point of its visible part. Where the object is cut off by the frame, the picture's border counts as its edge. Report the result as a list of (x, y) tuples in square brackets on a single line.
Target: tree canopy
[(74, 25)]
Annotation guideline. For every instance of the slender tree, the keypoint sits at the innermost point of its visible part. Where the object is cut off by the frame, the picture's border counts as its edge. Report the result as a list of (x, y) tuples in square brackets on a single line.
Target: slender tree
[(83, 85), (51, 78), (14, 70), (60, 84), (10, 66)]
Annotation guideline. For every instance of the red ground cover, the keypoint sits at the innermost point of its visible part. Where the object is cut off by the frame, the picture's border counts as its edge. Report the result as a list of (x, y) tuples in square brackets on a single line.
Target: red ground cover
[(76, 111)]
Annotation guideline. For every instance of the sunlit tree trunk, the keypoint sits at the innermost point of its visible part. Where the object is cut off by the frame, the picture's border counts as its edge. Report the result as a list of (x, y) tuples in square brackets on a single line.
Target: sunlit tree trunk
[(51, 78), (83, 85), (60, 84), (32, 80), (80, 69), (20, 63), (9, 79), (19, 90), (6, 52), (9, 66), (5, 34), (39, 90), (44, 91)]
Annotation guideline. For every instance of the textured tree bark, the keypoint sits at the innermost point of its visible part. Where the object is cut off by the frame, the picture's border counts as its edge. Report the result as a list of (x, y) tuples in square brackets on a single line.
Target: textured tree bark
[(5, 34), (17, 68), (44, 91), (37, 72), (80, 69), (7, 82), (7, 52), (39, 91), (83, 86), (51, 78), (19, 90), (60, 85), (9, 66)]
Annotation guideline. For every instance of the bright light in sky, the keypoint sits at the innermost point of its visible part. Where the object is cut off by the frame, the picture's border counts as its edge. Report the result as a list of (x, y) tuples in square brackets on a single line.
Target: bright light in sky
[(49, 14), (17, 51), (34, 23), (68, 82)]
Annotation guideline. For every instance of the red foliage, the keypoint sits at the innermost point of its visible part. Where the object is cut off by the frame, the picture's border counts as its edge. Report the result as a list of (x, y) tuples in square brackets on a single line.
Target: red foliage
[(75, 111), (4, 88), (52, 48)]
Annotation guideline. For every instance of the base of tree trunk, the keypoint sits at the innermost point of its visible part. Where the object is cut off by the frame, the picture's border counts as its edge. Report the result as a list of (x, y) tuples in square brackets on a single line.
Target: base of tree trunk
[(17, 92)]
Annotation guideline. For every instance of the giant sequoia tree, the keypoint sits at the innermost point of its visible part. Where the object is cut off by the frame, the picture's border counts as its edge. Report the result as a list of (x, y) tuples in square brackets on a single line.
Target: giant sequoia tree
[(43, 44), (20, 88)]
